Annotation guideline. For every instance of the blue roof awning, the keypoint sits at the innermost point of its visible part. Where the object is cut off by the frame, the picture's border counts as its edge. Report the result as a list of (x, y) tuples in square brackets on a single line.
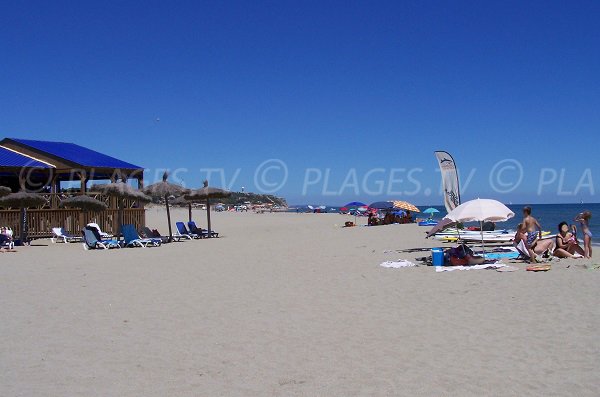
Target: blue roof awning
[(8, 158), (76, 154)]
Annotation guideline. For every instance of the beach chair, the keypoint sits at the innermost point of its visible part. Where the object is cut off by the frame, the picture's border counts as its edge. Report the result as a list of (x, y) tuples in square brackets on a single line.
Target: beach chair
[(133, 239), (183, 232), (201, 232), (6, 241), (92, 242), (59, 234), (146, 232), (110, 240), (100, 232)]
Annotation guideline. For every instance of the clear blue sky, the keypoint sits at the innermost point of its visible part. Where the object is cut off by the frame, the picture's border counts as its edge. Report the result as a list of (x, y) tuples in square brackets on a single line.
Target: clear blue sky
[(339, 85)]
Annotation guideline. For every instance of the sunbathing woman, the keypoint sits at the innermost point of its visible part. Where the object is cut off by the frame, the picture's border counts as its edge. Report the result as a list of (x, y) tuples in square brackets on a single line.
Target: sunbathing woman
[(584, 221), (566, 243)]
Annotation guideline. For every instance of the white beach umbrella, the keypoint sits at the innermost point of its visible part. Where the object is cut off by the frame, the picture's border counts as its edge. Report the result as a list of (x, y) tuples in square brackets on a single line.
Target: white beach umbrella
[(480, 210)]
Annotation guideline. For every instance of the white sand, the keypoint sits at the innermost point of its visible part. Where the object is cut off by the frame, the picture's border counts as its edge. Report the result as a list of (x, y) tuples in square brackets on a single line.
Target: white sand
[(289, 305)]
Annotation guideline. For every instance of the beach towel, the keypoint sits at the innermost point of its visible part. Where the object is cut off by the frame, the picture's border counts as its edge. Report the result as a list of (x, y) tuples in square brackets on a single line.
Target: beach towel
[(496, 265), (397, 264), (538, 268)]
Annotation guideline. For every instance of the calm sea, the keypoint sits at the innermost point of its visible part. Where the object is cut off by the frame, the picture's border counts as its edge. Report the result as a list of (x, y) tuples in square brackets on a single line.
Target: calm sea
[(549, 215)]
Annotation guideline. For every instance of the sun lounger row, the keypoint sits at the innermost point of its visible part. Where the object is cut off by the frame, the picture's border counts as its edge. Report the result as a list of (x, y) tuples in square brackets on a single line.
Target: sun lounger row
[(93, 238)]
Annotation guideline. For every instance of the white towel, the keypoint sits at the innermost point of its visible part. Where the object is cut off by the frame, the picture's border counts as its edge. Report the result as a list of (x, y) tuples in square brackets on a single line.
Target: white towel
[(397, 264), (496, 265)]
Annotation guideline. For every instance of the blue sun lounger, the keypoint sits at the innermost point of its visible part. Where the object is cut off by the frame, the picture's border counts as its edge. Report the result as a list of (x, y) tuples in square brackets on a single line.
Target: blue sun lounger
[(201, 232), (183, 232), (92, 242), (133, 239)]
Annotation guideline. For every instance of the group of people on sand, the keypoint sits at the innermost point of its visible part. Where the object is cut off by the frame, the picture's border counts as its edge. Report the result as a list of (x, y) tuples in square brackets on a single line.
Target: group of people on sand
[(389, 218), (566, 243)]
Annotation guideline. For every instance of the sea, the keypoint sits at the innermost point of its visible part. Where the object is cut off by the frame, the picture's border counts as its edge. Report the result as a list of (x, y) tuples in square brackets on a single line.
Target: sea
[(549, 215)]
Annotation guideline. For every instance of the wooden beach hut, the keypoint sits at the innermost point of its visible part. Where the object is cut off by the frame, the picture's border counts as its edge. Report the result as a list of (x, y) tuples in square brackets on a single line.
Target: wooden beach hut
[(59, 170)]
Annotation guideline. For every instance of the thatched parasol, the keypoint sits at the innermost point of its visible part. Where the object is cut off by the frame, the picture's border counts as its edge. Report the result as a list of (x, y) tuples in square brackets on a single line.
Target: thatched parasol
[(5, 191), (205, 194), (121, 190), (182, 201), (22, 200), (165, 190), (85, 203)]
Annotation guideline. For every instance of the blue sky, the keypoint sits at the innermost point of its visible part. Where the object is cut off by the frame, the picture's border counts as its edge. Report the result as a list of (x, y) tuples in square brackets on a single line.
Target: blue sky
[(344, 86)]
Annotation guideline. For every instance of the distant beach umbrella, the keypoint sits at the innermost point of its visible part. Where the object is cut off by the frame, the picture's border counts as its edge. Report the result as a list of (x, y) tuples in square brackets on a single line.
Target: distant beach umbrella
[(182, 201), (382, 205), (165, 190), (22, 200), (83, 202), (431, 211), (206, 193), (121, 191), (356, 206), (5, 191), (405, 205)]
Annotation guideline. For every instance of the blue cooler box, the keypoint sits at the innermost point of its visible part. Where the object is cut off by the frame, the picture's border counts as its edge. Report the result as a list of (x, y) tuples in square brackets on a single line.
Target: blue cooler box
[(437, 255)]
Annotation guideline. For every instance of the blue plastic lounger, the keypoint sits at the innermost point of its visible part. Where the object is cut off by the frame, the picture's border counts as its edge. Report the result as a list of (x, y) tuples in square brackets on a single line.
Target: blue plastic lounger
[(107, 241), (59, 234), (199, 231), (6, 242), (91, 242), (133, 239), (183, 232), (147, 233)]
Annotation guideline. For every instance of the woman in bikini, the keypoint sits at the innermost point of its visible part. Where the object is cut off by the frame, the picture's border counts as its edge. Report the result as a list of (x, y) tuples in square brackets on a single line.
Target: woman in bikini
[(584, 221), (566, 243)]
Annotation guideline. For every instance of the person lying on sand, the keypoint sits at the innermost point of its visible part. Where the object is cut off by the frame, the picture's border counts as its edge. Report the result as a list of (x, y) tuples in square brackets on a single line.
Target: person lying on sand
[(566, 243)]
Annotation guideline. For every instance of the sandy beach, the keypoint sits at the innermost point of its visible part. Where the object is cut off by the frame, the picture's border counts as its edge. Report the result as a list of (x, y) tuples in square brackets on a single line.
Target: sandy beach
[(290, 305)]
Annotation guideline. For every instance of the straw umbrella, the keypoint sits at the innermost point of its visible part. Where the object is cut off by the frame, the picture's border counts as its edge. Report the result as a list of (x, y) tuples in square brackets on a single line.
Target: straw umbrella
[(84, 203), (182, 201), (121, 190), (206, 193), (5, 191), (22, 200), (164, 190)]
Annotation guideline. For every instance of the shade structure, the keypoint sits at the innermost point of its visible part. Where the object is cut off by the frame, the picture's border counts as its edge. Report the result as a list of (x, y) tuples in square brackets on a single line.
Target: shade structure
[(83, 202), (355, 205), (182, 201), (121, 190), (405, 205), (206, 193), (22, 200), (382, 205), (441, 225), (5, 191), (480, 210), (431, 210), (165, 189)]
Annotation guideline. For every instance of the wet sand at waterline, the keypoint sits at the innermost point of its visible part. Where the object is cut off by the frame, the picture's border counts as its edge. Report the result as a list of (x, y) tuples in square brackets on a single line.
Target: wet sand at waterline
[(290, 305)]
